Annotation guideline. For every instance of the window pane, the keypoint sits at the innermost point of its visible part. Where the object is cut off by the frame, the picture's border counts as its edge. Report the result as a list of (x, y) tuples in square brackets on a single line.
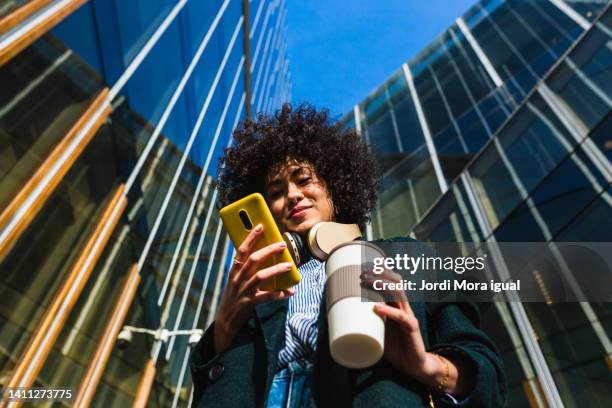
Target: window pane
[(584, 79), (45, 90), (407, 191), (533, 143), (588, 226)]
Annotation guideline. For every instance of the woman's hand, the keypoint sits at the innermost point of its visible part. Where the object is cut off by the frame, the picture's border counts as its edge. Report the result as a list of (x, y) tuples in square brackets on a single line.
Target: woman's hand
[(242, 288), (405, 349)]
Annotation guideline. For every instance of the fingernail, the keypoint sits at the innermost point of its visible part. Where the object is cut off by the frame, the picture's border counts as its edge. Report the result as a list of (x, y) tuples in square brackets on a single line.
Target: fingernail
[(282, 244), (258, 228), (287, 265)]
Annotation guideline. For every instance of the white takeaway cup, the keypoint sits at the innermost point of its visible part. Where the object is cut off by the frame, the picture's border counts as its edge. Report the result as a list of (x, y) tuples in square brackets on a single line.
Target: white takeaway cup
[(356, 332)]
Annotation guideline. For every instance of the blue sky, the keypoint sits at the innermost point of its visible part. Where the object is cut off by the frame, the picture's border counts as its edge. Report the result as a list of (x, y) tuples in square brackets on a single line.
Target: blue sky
[(339, 51)]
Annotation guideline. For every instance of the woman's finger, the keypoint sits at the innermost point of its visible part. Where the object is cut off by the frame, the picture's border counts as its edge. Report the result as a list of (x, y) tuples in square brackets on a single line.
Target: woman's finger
[(245, 249), (406, 320), (256, 258), (262, 275), (386, 275), (383, 286), (272, 295)]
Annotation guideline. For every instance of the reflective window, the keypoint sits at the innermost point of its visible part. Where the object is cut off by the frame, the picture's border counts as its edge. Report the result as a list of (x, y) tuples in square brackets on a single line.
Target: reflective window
[(587, 226), (589, 9), (137, 21), (495, 318), (45, 89), (41, 259), (80, 337), (199, 16), (78, 31), (493, 182), (517, 46), (531, 145), (381, 132), (602, 136), (563, 194), (451, 219), (584, 80), (534, 143), (408, 124), (150, 88), (474, 131), (573, 352), (431, 101), (447, 142), (408, 189), (467, 64), (391, 122)]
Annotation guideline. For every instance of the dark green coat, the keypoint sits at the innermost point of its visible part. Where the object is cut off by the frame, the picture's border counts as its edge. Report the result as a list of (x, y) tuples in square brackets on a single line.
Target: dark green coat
[(242, 375)]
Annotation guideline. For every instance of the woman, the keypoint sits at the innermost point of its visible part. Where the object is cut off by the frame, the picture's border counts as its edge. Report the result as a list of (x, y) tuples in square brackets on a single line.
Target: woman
[(271, 348)]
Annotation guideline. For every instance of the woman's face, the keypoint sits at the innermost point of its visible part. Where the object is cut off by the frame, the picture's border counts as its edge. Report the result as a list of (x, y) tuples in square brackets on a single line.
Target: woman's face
[(297, 197)]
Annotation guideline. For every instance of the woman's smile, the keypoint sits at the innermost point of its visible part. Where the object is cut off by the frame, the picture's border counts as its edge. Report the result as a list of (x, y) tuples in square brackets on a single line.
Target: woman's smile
[(299, 212), (297, 197)]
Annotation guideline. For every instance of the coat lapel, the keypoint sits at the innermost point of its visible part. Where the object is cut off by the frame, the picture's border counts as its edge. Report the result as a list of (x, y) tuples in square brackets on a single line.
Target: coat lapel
[(271, 317)]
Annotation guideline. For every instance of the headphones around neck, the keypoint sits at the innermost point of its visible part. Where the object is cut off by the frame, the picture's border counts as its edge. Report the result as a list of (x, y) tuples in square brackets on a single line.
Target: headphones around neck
[(322, 239)]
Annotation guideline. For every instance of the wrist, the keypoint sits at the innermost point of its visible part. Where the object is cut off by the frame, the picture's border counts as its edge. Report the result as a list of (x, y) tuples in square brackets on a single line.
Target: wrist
[(435, 372), (220, 335)]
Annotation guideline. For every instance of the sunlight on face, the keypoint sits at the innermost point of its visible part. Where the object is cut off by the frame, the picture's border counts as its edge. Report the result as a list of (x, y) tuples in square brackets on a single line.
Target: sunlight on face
[(297, 197)]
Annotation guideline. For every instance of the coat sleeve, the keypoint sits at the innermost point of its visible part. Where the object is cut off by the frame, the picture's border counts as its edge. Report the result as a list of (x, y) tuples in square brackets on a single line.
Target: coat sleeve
[(455, 329), (235, 377), (202, 359)]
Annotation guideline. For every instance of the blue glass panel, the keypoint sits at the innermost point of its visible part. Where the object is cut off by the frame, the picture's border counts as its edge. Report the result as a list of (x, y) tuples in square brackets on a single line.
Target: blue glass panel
[(521, 43), (601, 136), (589, 9), (137, 21), (466, 61), (408, 124), (197, 18), (447, 142), (78, 32), (558, 200), (584, 79), (588, 226), (150, 88), (431, 102), (381, 132), (474, 133), (535, 142)]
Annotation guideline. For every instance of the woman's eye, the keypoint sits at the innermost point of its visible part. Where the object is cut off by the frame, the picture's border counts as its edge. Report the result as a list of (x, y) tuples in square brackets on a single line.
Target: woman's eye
[(275, 194), (304, 180)]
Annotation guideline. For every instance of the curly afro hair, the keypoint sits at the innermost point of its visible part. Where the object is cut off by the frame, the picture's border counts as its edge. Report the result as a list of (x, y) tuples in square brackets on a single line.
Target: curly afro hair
[(338, 156)]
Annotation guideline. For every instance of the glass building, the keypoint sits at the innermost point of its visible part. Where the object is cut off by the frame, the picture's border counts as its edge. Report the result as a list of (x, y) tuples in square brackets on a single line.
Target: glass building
[(501, 131), (112, 117)]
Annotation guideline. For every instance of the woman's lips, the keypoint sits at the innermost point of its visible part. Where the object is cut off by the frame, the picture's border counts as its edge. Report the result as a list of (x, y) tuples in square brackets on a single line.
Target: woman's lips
[(299, 214)]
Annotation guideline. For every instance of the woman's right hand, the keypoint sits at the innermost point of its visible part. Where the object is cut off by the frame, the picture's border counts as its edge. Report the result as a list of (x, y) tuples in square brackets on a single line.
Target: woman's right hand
[(242, 290)]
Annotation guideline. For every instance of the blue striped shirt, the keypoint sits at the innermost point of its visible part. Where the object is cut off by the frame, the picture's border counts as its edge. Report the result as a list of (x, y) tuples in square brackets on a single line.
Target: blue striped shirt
[(301, 330)]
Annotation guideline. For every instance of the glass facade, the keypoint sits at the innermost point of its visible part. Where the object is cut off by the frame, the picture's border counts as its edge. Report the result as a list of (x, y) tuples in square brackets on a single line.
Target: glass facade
[(111, 123), (499, 131)]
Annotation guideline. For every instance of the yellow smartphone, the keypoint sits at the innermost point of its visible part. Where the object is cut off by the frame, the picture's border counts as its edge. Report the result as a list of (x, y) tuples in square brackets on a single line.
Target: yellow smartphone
[(240, 217)]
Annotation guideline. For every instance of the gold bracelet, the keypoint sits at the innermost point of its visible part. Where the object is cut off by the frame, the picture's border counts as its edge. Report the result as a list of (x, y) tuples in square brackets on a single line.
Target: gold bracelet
[(444, 361)]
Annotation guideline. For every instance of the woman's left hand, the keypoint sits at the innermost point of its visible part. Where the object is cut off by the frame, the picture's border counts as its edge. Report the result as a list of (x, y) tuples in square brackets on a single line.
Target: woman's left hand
[(404, 346)]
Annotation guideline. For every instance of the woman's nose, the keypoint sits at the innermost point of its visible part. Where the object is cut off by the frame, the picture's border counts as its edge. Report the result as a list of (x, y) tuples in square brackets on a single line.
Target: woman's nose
[(295, 193)]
